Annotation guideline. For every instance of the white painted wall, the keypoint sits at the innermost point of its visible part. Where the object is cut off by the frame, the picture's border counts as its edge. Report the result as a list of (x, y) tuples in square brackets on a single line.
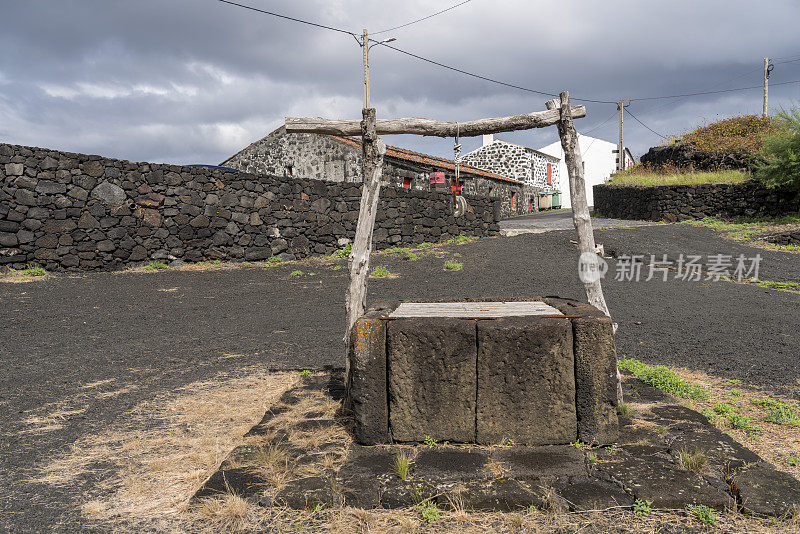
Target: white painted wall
[(598, 160)]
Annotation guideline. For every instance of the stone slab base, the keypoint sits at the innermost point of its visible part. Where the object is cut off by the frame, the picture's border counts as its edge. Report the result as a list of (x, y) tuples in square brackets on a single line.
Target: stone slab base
[(641, 465)]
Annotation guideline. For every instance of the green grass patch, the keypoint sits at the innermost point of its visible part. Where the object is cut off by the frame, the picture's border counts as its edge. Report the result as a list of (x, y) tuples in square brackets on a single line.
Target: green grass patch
[(33, 271), (663, 378), (453, 266), (402, 464), (459, 239), (155, 266), (649, 177), (791, 287), (779, 412), (723, 408), (379, 272), (793, 460), (426, 245), (741, 421), (395, 250), (344, 252), (411, 256), (274, 260), (296, 274)]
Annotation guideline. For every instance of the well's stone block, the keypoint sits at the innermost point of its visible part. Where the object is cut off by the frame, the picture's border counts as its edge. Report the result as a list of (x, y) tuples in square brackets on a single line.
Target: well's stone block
[(432, 378), (595, 370), (366, 397), (526, 381)]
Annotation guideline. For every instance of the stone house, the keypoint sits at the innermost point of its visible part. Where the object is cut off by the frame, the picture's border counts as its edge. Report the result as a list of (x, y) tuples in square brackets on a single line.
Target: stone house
[(338, 159), (537, 170), (599, 163)]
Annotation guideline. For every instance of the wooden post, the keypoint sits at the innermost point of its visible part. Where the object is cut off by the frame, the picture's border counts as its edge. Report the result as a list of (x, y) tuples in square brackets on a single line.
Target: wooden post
[(373, 150), (580, 207)]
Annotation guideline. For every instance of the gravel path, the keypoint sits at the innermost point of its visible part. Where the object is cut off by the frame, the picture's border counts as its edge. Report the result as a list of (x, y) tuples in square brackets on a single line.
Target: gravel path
[(161, 330)]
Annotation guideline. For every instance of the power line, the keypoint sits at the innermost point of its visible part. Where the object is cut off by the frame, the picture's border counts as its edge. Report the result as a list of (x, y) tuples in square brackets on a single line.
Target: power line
[(706, 92), (486, 78), (587, 132), (646, 126), (286, 17), (423, 18)]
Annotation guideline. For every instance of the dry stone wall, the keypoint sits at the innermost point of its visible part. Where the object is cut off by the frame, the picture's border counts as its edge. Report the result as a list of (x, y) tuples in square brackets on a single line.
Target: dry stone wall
[(68, 211), (686, 202)]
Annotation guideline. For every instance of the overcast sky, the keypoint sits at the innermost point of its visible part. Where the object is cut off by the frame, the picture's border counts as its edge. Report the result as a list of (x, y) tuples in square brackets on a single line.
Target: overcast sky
[(193, 81)]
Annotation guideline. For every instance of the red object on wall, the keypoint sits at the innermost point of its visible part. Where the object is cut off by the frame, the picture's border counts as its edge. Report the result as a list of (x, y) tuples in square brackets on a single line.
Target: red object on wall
[(437, 177), (531, 208), (549, 174), (407, 183), (457, 187), (512, 198)]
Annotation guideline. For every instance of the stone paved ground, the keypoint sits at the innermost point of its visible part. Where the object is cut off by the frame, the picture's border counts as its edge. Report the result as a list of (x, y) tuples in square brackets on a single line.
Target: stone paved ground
[(149, 333)]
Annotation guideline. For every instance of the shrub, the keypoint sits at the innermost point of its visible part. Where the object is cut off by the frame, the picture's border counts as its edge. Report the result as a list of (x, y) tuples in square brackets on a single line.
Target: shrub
[(702, 513), (782, 150), (429, 512), (273, 260), (296, 274), (642, 507), (411, 256), (345, 251)]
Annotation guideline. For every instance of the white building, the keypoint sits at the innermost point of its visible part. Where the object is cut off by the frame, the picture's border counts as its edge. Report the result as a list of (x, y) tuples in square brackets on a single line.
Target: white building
[(599, 162)]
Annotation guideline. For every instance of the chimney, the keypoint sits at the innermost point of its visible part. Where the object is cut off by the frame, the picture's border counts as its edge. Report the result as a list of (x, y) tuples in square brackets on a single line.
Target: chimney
[(488, 139)]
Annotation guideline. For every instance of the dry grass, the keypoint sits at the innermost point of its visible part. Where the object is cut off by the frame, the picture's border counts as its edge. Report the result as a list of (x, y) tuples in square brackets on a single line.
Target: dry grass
[(166, 448), (775, 443), (50, 417), (743, 134)]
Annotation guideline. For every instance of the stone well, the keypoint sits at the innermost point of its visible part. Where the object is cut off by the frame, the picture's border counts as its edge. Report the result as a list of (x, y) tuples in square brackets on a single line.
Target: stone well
[(538, 371)]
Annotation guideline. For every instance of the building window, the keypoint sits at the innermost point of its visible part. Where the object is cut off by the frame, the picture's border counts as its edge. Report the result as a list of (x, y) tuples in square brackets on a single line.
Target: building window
[(457, 187), (407, 183), (290, 170), (490, 192), (437, 177), (513, 195), (531, 208), (549, 174)]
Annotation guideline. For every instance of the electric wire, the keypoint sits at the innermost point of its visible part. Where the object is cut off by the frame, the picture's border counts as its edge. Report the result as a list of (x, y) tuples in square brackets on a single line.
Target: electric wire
[(423, 18), (285, 17), (486, 78), (492, 80), (646, 126)]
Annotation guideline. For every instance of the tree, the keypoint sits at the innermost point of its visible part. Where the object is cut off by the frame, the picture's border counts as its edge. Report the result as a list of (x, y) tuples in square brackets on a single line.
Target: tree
[(782, 151)]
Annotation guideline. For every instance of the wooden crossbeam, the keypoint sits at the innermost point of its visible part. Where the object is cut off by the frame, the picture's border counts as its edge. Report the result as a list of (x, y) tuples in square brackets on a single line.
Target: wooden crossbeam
[(432, 127)]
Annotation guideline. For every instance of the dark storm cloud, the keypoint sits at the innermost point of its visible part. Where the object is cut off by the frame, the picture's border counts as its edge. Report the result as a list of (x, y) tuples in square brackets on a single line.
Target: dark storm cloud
[(195, 80)]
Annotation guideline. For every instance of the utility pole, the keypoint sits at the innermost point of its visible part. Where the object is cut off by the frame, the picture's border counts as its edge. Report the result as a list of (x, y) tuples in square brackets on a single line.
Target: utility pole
[(767, 71), (365, 47), (620, 152), (766, 85)]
